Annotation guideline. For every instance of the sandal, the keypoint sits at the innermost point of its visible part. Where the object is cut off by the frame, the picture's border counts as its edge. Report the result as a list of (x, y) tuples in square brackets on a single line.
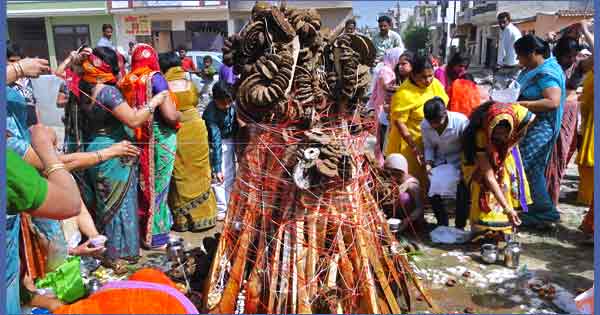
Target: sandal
[(132, 259)]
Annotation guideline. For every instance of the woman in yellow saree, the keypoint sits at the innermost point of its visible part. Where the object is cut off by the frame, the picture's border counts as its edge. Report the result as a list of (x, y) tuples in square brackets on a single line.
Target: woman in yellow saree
[(406, 115), (585, 158), (493, 168), (191, 197)]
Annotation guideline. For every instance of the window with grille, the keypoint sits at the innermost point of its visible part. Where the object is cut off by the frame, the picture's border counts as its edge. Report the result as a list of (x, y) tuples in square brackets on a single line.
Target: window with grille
[(30, 35), (70, 37)]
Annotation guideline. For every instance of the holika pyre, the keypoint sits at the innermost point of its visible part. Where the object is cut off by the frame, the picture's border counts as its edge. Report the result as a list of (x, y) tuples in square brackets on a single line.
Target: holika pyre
[(303, 233)]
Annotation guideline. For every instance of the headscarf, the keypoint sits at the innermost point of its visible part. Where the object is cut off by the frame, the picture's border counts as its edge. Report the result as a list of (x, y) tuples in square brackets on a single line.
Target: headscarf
[(464, 97), (144, 55), (392, 57), (175, 73), (144, 62), (96, 71), (497, 113)]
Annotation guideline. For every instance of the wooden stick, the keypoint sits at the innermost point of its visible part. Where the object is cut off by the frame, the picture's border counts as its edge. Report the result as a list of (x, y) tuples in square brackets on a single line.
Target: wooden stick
[(294, 266), (312, 251), (369, 286), (381, 276), (303, 301), (285, 274), (228, 301), (274, 274), (347, 272)]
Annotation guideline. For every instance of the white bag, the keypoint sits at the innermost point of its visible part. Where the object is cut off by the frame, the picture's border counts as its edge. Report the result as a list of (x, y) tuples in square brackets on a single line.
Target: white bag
[(509, 95), (444, 181), (45, 90), (449, 235)]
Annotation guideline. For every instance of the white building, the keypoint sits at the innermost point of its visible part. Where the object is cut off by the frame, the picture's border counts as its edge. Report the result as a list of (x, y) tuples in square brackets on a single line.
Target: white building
[(477, 25), (333, 13), (197, 25), (438, 16)]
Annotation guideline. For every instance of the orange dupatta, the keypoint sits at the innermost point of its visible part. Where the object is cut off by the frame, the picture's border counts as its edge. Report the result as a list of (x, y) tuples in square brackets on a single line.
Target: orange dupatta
[(464, 97)]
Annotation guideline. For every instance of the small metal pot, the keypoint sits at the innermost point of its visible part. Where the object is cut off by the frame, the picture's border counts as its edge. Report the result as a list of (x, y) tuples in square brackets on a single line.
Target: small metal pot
[(93, 286), (394, 225), (512, 253), (489, 253), (175, 250)]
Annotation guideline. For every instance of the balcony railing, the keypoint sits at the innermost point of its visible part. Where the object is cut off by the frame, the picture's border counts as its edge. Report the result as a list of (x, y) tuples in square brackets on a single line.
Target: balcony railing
[(130, 4), (465, 16), (485, 8), (246, 5)]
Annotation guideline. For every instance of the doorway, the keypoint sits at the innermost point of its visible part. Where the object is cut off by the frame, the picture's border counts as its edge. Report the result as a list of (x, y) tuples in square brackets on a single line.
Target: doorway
[(491, 52), (161, 36)]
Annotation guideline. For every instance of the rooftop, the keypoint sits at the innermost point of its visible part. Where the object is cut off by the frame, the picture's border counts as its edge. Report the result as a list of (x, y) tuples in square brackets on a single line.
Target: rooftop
[(575, 12)]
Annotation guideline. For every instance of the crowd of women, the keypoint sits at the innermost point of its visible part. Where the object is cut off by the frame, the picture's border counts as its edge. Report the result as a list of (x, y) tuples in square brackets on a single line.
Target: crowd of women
[(501, 163), (139, 160), (136, 162)]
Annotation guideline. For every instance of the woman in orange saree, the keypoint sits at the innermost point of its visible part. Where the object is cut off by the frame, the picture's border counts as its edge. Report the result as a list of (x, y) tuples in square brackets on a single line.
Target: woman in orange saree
[(158, 143)]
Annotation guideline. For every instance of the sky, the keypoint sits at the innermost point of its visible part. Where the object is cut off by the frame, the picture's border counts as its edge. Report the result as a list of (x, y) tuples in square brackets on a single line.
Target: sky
[(368, 10)]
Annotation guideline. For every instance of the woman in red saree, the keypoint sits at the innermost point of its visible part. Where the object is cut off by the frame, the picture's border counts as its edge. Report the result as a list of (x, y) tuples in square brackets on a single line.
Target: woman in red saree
[(566, 51), (158, 143)]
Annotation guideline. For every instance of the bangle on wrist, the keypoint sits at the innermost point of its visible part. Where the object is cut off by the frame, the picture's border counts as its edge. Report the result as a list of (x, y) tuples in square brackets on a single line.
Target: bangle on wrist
[(20, 72), (99, 155), (150, 108), (53, 168), (14, 70)]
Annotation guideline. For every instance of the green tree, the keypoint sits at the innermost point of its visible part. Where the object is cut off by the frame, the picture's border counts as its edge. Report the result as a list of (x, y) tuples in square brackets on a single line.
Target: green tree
[(416, 38)]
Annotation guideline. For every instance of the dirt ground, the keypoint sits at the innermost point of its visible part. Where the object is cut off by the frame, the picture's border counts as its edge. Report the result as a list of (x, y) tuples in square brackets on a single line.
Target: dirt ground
[(556, 257)]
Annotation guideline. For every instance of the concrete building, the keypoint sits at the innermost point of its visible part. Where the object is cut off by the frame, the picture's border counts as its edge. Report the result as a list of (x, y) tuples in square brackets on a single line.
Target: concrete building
[(197, 25), (52, 29), (439, 17), (333, 13), (477, 27)]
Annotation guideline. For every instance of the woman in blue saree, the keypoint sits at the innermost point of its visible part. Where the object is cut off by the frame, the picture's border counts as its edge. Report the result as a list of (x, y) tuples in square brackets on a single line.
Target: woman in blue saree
[(543, 92), (18, 143), (18, 140), (112, 185)]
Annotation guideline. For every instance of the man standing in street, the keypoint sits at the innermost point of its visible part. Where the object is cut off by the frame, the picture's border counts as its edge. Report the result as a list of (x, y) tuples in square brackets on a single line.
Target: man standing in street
[(507, 64), (107, 31), (386, 38), (186, 62)]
